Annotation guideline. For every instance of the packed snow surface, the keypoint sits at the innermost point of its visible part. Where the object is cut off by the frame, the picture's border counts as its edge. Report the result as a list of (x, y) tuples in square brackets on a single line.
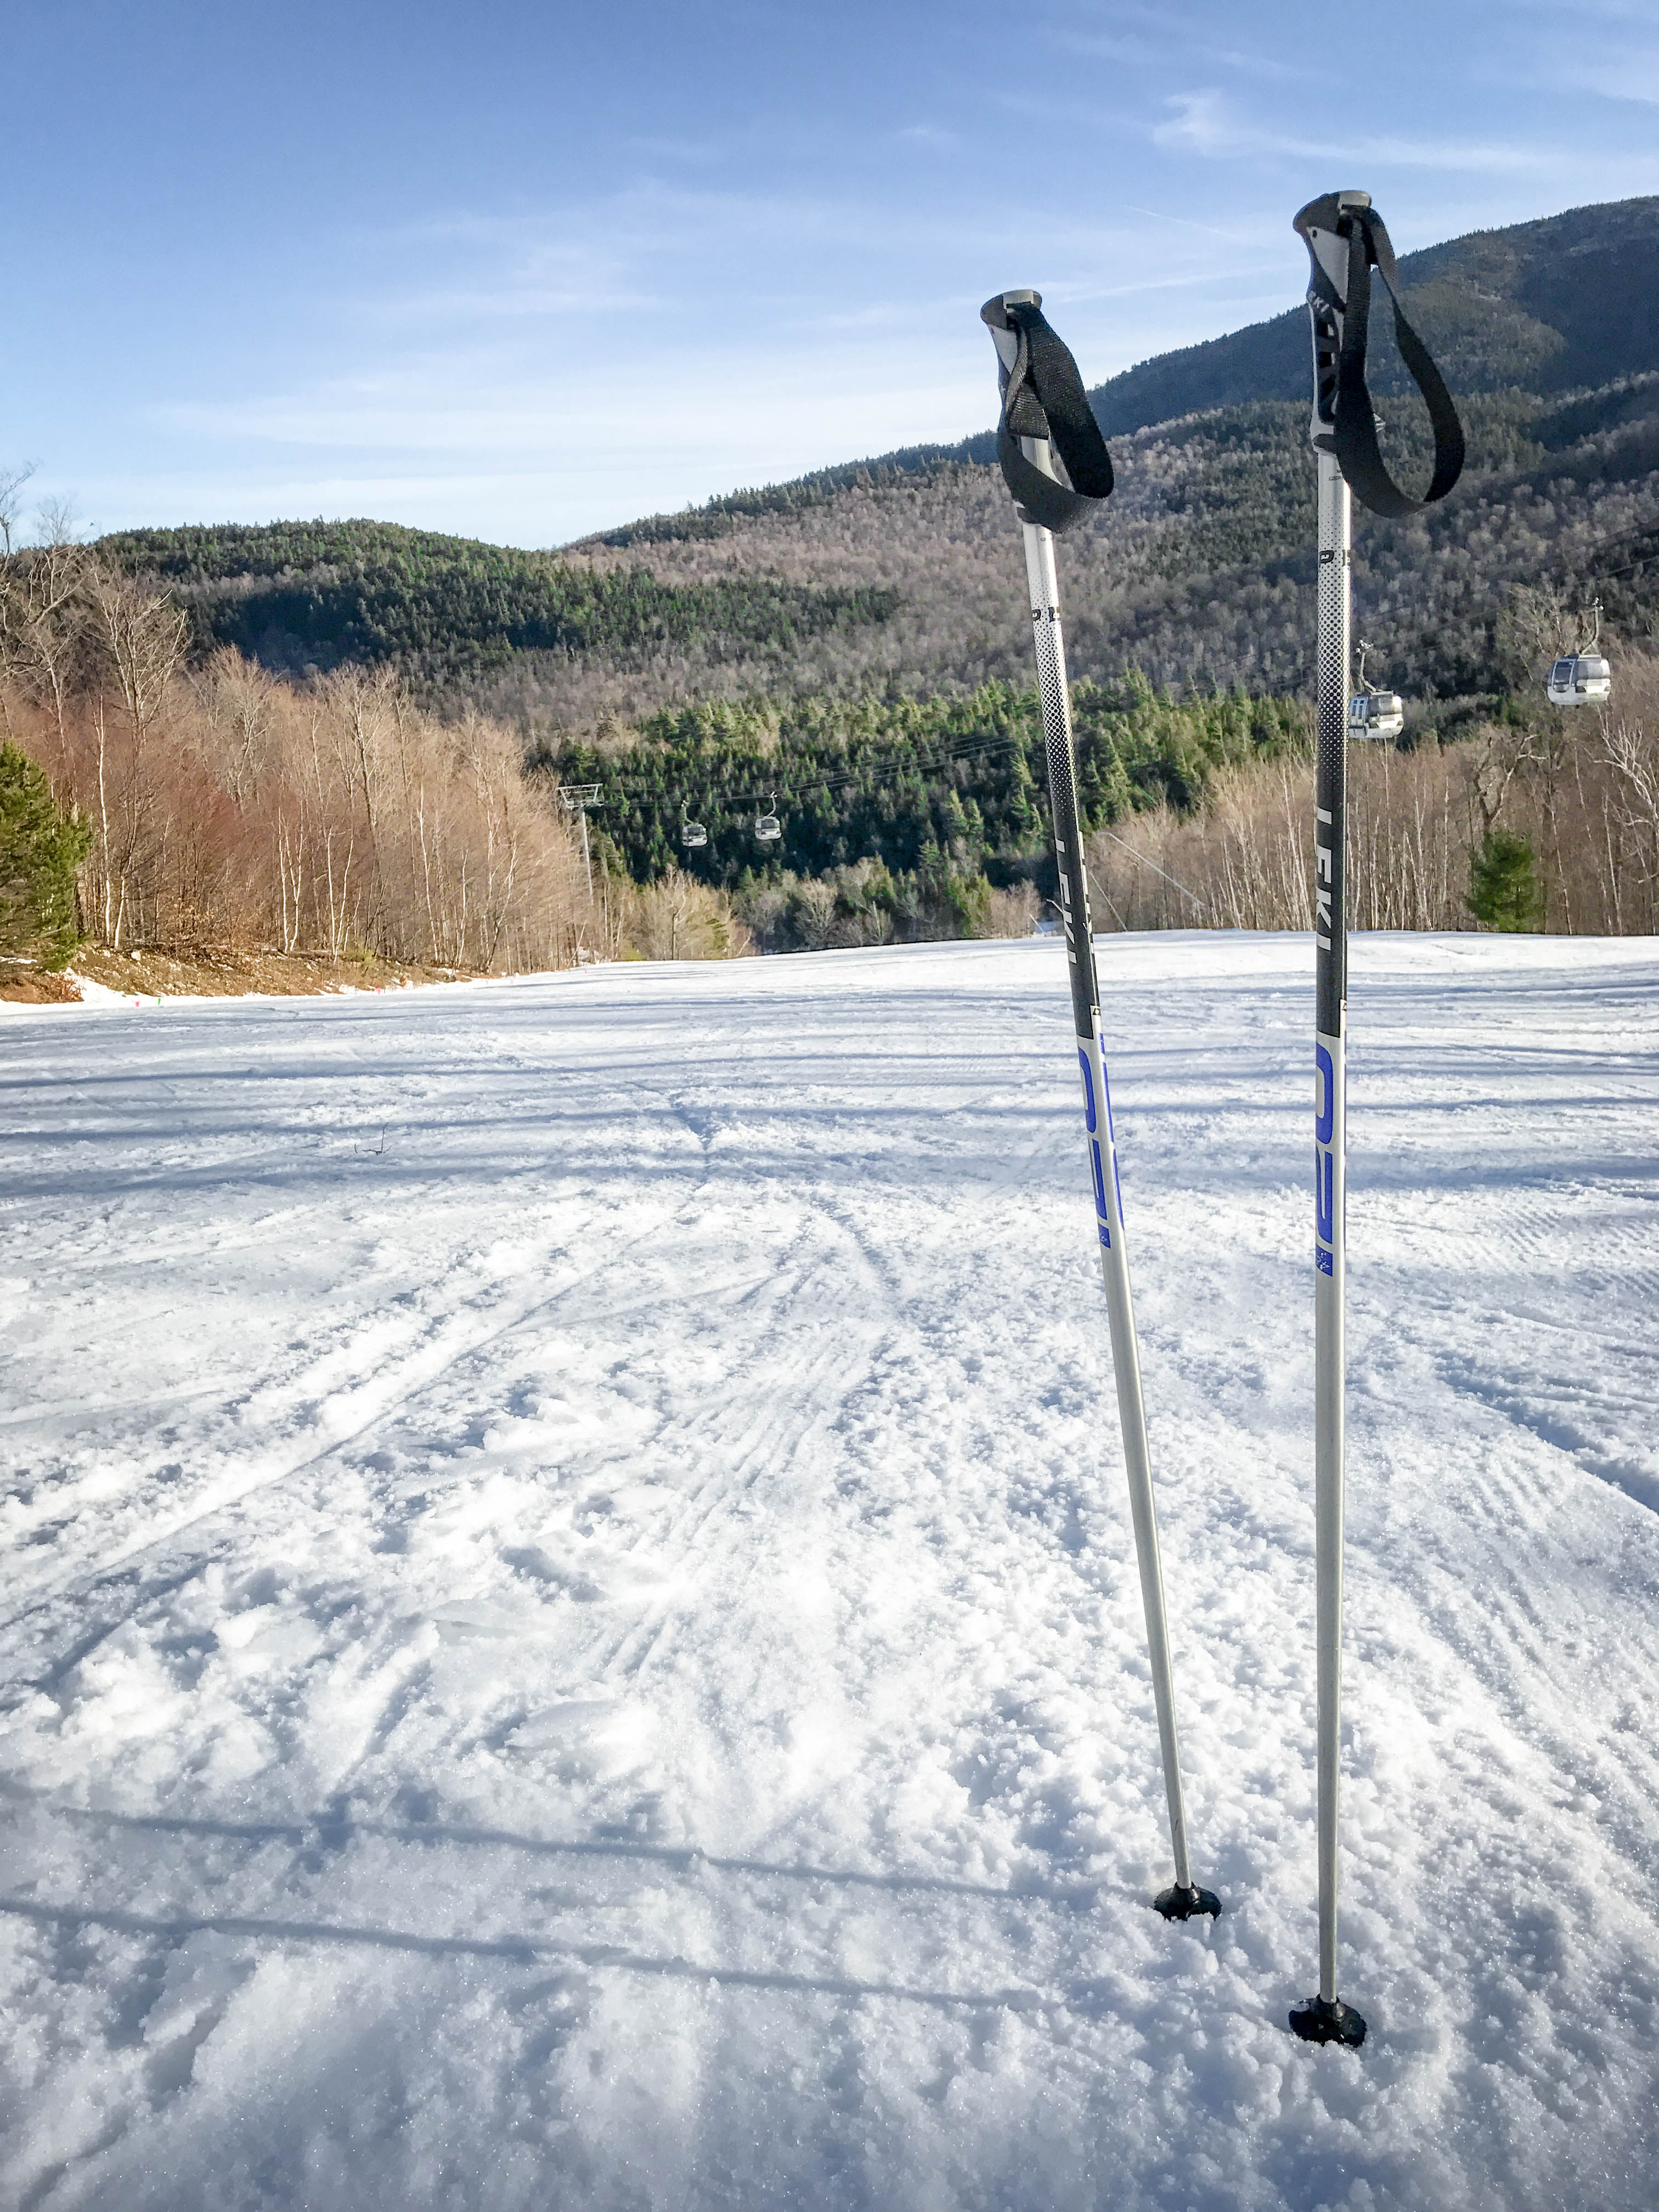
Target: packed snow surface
[(572, 1637)]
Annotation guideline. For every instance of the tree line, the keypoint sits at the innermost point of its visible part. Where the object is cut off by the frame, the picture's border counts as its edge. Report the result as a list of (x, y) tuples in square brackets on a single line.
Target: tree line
[(150, 799), (1197, 814)]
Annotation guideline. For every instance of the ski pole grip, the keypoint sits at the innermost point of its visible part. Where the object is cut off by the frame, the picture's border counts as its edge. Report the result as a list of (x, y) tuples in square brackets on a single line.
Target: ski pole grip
[(1347, 238), (1045, 411)]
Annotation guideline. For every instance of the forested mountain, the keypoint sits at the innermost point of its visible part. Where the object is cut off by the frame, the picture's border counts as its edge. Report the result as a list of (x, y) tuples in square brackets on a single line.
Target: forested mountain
[(1544, 307), (311, 595), (1198, 571), (901, 577)]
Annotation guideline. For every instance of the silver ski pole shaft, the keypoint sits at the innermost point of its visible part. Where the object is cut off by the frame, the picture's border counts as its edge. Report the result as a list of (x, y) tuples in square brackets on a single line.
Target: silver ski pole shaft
[(1326, 2019), (1102, 1163), (1045, 411), (1346, 238), (1330, 1141)]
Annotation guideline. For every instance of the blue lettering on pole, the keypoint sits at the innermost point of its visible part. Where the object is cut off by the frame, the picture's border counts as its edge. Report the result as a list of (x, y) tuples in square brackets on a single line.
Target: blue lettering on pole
[(1324, 1196), (1325, 1111), (1100, 1188), (1088, 1088), (1322, 1261)]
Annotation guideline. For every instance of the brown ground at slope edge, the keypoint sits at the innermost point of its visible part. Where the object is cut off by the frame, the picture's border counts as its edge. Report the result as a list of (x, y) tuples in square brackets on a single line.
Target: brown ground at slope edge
[(215, 975)]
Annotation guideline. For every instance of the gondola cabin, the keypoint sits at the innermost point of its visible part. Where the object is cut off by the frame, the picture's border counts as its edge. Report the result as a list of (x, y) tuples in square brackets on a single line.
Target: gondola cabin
[(1578, 680), (693, 833), (1376, 714), (768, 827)]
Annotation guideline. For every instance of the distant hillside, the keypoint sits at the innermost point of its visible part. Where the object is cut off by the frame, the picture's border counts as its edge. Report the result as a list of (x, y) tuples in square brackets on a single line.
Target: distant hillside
[(1542, 306), (1198, 572), (300, 595), (1571, 300), (901, 577)]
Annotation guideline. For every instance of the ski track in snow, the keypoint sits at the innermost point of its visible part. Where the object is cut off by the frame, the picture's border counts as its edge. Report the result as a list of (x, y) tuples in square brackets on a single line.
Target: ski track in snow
[(571, 1634)]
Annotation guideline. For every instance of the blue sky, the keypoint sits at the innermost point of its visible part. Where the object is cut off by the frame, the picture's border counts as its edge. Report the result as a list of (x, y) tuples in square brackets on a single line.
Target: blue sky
[(520, 271)]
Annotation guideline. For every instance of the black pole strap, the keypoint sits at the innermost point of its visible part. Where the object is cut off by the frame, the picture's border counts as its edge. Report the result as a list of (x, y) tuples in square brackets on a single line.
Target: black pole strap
[(1045, 398), (1354, 431)]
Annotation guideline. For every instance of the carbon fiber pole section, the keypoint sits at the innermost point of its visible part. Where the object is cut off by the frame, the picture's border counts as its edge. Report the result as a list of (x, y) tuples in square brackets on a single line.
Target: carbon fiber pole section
[(1184, 1899), (1330, 1153)]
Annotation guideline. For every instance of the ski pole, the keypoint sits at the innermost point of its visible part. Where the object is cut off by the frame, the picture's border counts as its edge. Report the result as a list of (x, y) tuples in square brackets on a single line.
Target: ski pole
[(1345, 240), (1044, 406)]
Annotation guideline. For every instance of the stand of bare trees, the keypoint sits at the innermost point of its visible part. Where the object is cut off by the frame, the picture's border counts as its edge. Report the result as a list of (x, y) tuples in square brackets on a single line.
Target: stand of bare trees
[(677, 918), (1581, 789), (379, 826)]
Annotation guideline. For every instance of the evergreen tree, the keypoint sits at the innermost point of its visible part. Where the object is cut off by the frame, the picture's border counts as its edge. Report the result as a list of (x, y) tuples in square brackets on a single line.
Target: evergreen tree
[(41, 849), (1504, 892)]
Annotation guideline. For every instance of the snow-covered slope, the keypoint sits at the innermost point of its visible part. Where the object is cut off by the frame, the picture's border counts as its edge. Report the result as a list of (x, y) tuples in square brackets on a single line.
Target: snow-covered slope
[(571, 1637)]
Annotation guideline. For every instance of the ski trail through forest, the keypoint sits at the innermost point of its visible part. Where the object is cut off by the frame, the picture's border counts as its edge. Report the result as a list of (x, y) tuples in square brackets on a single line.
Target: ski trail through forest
[(571, 1633)]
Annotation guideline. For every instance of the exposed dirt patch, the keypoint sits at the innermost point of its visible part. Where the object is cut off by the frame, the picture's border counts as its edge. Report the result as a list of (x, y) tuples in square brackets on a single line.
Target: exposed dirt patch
[(31, 986), (220, 974)]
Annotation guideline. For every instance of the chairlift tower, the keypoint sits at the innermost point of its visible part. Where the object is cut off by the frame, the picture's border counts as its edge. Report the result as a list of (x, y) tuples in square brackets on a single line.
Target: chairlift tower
[(576, 799)]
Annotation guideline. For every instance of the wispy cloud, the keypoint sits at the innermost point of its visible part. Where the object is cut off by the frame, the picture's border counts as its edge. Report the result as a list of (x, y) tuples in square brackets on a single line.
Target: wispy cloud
[(1207, 123), (762, 261), (1606, 49), (1133, 51), (699, 152), (1189, 223), (1634, 76), (1164, 40)]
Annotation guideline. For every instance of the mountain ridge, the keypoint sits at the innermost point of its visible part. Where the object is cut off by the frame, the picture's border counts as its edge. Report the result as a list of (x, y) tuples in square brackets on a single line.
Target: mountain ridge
[(1483, 339), (899, 576)]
